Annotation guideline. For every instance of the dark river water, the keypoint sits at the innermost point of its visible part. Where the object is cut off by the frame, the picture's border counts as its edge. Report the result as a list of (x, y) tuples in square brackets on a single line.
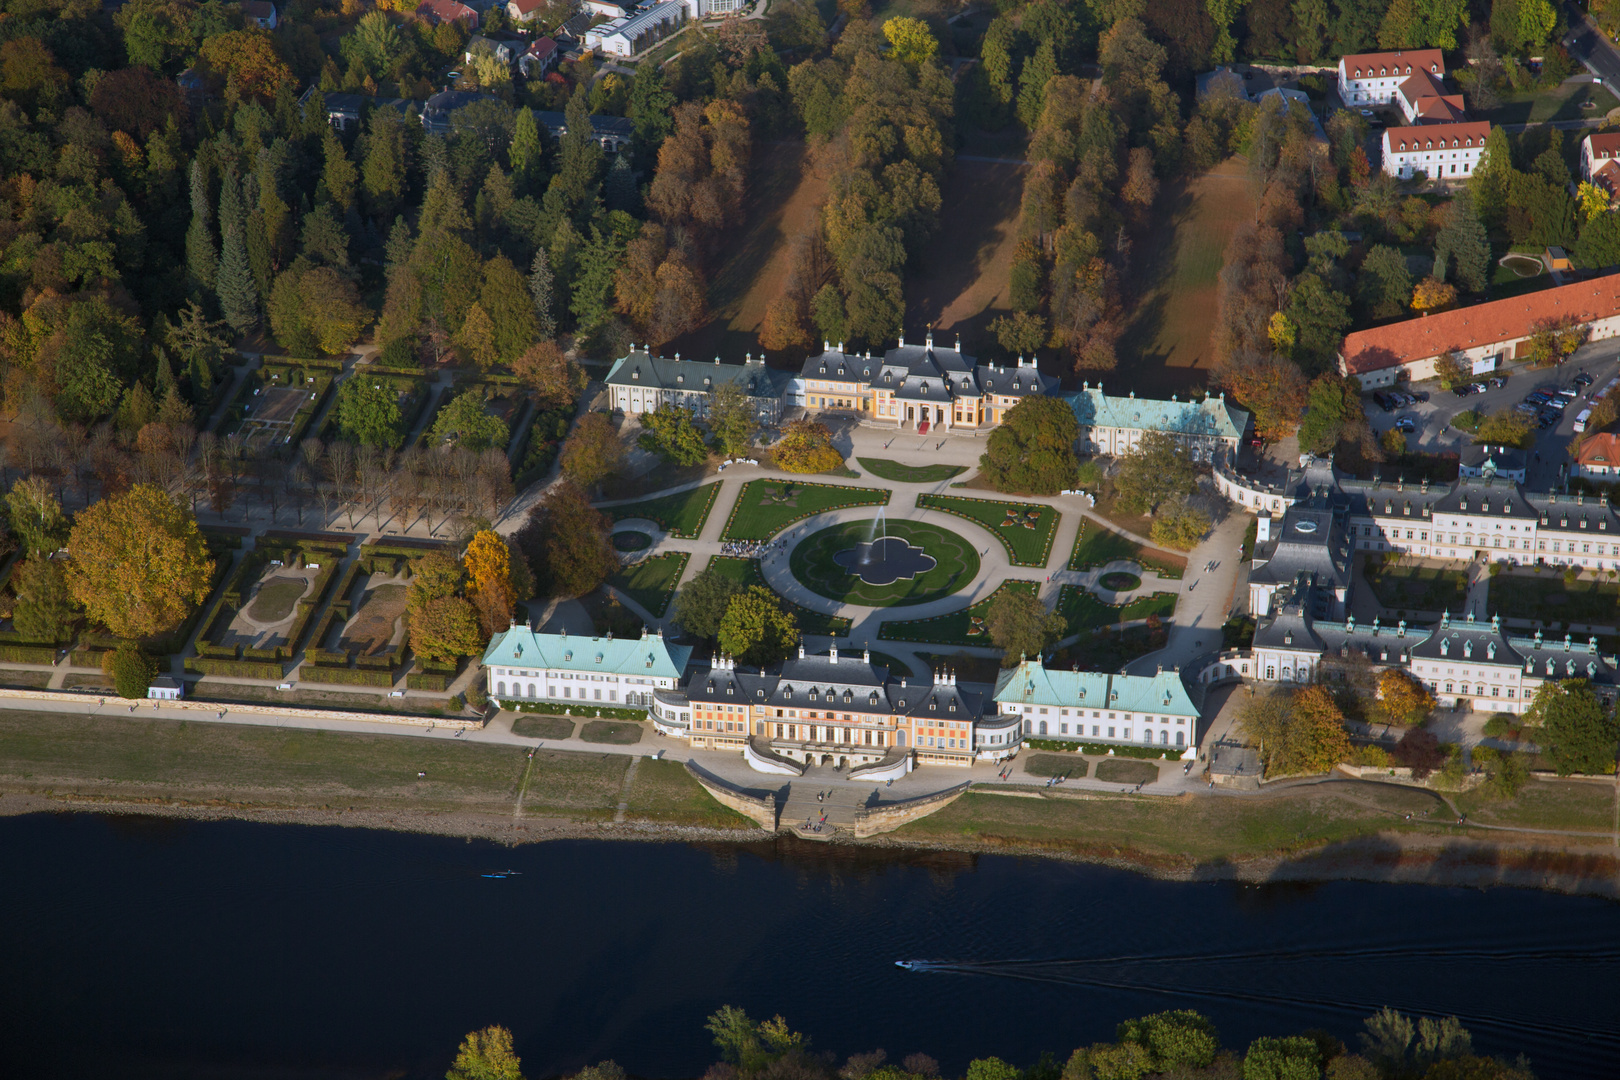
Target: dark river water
[(141, 947)]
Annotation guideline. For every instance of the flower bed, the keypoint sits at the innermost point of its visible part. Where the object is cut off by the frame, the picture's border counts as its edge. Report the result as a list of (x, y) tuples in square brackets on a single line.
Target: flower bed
[(755, 518), (1024, 529)]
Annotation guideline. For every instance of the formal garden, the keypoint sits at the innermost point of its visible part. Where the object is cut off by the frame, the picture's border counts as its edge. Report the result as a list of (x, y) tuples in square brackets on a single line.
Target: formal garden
[(1548, 597), (940, 563), (651, 582), (766, 507), (745, 571), (1084, 611), (965, 627), (631, 540), (1401, 586), (681, 515), (1024, 529), (1098, 545), (899, 473)]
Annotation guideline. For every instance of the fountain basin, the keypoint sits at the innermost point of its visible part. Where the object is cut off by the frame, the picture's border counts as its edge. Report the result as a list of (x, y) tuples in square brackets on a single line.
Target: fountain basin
[(885, 560)]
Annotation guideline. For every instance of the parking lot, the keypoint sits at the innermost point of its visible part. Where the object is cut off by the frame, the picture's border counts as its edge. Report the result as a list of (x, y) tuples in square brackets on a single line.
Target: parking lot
[(1431, 420)]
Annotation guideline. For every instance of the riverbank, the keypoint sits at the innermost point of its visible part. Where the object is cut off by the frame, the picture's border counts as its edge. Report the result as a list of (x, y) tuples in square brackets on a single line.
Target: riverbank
[(1342, 829)]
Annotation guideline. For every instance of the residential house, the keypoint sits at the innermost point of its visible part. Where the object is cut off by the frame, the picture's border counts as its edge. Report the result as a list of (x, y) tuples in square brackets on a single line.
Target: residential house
[(439, 108), (918, 386), (1146, 710), (613, 133), (639, 382), (1376, 78), (1292, 100), (631, 35), (1598, 459), (347, 110), (506, 48), (573, 670), (1488, 332), (1115, 425), (1445, 151), (522, 11), (260, 13), (540, 57), (443, 11), (1423, 100), (1223, 81), (1600, 161), (612, 9)]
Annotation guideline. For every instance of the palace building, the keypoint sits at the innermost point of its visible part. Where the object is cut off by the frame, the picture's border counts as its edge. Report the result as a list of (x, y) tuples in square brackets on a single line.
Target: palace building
[(640, 382), (523, 666), (1089, 706), (1115, 425), (916, 386)]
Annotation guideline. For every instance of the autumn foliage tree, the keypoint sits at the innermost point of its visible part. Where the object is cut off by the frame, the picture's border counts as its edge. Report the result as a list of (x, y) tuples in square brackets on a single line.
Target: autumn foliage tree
[(1403, 697), (568, 543), (138, 562), (807, 447), (488, 563), (443, 624), (1432, 295), (592, 452), (1298, 732), (555, 380)]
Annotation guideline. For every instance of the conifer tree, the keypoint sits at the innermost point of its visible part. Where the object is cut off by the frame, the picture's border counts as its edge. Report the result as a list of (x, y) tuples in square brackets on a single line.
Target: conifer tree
[(238, 297), (579, 158), (619, 190), (525, 154), (400, 244), (202, 260), (339, 175), (1038, 71), (540, 290)]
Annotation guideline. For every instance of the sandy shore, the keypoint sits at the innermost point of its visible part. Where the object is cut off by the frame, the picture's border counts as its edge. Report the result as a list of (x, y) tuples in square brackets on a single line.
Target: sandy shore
[(1536, 863)]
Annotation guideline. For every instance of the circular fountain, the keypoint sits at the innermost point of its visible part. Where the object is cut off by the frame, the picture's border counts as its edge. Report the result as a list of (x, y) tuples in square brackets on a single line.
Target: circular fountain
[(883, 559)]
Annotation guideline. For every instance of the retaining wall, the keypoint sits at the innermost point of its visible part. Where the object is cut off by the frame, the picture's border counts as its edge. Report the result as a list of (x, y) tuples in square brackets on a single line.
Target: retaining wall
[(871, 820), (250, 710), (760, 809)]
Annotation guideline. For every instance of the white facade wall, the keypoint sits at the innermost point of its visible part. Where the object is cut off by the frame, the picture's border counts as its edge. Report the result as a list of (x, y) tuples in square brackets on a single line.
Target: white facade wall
[(578, 688), (1105, 725), (1452, 163)]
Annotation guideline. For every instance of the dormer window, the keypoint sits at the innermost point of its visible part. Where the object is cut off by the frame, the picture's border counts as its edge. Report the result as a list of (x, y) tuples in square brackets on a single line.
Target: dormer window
[(705, 380), (569, 655), (814, 696), (680, 378), (1583, 523), (635, 376), (951, 707)]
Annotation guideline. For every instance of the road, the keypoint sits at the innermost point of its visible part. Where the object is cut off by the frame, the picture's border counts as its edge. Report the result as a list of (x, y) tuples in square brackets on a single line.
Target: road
[(1587, 44), (1434, 434)]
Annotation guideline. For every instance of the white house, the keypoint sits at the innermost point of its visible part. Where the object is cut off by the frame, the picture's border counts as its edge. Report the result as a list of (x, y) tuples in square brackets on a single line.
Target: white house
[(1423, 100), (630, 35), (639, 382), (1600, 161), (579, 672), (1146, 710), (166, 688), (1376, 78), (260, 13), (1115, 425), (1438, 151)]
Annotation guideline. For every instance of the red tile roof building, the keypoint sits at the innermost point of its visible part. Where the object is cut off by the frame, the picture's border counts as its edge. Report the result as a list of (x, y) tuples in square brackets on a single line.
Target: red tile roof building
[(1423, 100), (1375, 78), (1438, 151), (443, 11), (1599, 458), (1600, 161), (1408, 349)]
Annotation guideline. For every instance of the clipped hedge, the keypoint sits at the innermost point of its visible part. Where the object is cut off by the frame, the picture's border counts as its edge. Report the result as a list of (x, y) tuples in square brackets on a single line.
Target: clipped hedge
[(434, 681), (240, 669), (30, 654), (402, 551), (1130, 750), (83, 657), (345, 676)]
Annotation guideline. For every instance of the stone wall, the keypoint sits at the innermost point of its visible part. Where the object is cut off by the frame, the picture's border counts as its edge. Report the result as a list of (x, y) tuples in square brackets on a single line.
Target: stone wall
[(760, 809), (241, 709), (871, 820)]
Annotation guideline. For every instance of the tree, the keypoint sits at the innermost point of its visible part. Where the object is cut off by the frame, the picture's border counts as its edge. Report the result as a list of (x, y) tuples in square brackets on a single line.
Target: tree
[(1321, 315), (1598, 246), (568, 543), (1155, 472), (755, 629), (489, 580), (1403, 697), (911, 40), (131, 670), (1432, 294), (445, 628), (238, 295), (1180, 527), (1032, 451), (36, 516), (316, 309), (751, 1045), (1452, 369), (467, 423), (138, 562), (1299, 732), (540, 286), (477, 337), (672, 434), (1021, 332), (1506, 427), (368, 412), (1179, 1039), (1295, 1057), (732, 420), (46, 610), (555, 380), (1384, 283), (486, 1055), (505, 298), (1489, 184), (702, 602), (1420, 751), (1333, 415), (1461, 244), (806, 447), (1020, 626), (593, 452), (1576, 732)]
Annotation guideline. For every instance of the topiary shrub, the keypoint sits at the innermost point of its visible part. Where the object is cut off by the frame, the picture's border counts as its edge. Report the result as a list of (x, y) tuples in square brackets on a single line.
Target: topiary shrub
[(131, 670)]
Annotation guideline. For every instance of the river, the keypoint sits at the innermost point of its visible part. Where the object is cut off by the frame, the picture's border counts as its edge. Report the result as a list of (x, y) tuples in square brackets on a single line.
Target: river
[(146, 947)]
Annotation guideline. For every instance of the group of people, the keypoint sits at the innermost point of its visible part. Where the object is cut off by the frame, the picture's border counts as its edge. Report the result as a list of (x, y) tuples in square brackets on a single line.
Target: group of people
[(751, 549)]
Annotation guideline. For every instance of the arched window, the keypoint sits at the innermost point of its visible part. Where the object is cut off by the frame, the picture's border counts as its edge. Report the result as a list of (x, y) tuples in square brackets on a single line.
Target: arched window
[(500, 689), (1043, 727), (531, 689)]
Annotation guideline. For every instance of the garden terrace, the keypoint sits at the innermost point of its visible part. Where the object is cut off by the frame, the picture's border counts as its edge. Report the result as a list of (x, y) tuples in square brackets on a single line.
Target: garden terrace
[(1414, 587), (1024, 529), (651, 582), (746, 572), (899, 473), (275, 406), (1546, 598), (263, 612), (814, 564), (1083, 611), (681, 515), (965, 627), (766, 507), (1097, 545)]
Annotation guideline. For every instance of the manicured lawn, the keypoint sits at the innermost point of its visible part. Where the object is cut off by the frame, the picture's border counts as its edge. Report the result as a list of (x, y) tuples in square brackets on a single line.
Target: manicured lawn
[(613, 732), (651, 582), (1419, 588), (1562, 102), (1181, 833), (681, 514), (956, 564), (766, 507), (1580, 806), (139, 757), (1097, 545), (1085, 612), (1071, 765), (543, 727), (19, 677), (965, 627), (275, 599), (1545, 597), (1117, 771), (664, 791), (1024, 529), (910, 474), (895, 667), (746, 572)]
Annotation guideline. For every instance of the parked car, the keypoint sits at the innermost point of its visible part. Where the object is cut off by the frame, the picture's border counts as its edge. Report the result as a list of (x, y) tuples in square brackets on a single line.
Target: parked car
[(1421, 395), (1406, 424), (1566, 395), (1529, 408), (1497, 380), (1540, 397), (1477, 388), (1384, 401), (1583, 379), (1549, 417), (1462, 389)]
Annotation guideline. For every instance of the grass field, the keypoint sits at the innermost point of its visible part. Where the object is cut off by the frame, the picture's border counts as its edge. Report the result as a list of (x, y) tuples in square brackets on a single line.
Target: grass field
[(681, 515), (613, 732), (766, 507), (1184, 831), (1126, 771), (543, 727), (276, 598), (1024, 529), (1423, 588), (651, 582), (18, 677), (1563, 102), (1166, 340), (1084, 612), (1071, 765), (965, 627), (1545, 597), (964, 273), (664, 791), (910, 474), (1098, 545), (746, 572), (956, 564), (1580, 806)]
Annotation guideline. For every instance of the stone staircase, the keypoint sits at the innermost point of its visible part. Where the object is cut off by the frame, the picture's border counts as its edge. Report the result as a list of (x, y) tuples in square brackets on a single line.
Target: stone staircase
[(838, 804)]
